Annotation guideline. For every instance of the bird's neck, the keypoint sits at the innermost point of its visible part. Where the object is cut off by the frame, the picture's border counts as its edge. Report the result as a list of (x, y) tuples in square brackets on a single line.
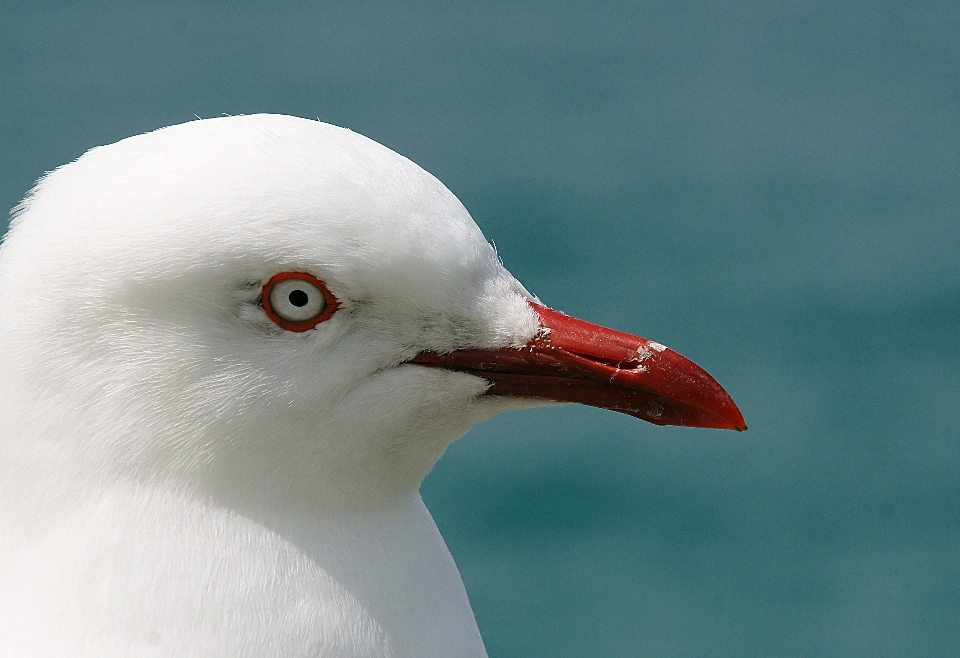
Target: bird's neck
[(373, 583), (395, 564)]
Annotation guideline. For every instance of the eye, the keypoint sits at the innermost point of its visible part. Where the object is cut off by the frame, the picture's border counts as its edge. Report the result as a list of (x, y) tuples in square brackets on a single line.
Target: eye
[(297, 301)]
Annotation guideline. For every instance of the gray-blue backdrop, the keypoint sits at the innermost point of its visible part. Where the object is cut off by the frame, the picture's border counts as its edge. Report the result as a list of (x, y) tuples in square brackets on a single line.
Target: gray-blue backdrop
[(772, 189)]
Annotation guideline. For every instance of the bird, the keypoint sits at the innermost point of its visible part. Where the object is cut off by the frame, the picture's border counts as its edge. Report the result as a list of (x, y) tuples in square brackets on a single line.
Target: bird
[(230, 352)]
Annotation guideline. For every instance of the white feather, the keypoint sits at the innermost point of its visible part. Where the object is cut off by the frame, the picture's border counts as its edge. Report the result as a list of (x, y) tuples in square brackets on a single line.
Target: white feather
[(180, 477)]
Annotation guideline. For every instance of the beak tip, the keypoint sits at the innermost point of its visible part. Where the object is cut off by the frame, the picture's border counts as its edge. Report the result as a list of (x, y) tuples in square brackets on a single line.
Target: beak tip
[(737, 421)]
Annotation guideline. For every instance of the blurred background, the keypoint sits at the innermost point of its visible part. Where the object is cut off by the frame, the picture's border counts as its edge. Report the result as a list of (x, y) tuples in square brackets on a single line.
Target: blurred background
[(772, 189)]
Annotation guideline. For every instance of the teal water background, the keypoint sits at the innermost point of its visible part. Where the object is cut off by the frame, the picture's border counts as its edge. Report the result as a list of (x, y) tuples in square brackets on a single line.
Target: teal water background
[(772, 189)]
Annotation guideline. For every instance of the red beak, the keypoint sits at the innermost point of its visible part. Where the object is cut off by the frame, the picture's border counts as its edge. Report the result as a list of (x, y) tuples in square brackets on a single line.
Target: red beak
[(574, 361)]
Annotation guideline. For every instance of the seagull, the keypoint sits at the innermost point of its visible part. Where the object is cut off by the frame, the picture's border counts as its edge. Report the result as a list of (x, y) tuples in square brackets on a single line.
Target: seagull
[(230, 352)]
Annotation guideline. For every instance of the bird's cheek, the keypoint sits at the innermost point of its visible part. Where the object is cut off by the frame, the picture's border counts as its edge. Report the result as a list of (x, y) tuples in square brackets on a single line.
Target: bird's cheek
[(402, 419)]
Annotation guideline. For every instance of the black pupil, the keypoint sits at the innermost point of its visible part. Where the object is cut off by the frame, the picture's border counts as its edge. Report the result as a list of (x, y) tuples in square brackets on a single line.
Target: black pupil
[(299, 298)]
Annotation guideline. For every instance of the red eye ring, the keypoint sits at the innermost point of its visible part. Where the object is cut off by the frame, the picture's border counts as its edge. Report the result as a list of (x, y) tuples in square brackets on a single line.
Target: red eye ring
[(331, 302)]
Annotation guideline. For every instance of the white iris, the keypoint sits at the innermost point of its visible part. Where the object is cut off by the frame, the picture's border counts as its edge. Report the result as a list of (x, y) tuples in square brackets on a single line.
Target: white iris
[(296, 300)]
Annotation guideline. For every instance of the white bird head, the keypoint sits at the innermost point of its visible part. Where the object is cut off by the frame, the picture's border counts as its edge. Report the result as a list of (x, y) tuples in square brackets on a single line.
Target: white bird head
[(132, 283), (135, 321)]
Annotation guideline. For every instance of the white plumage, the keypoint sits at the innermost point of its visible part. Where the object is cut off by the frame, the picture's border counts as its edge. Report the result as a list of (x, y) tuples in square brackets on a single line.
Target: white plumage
[(199, 458), (180, 477)]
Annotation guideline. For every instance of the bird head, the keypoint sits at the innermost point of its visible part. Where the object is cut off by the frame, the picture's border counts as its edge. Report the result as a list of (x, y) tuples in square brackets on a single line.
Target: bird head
[(281, 312)]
